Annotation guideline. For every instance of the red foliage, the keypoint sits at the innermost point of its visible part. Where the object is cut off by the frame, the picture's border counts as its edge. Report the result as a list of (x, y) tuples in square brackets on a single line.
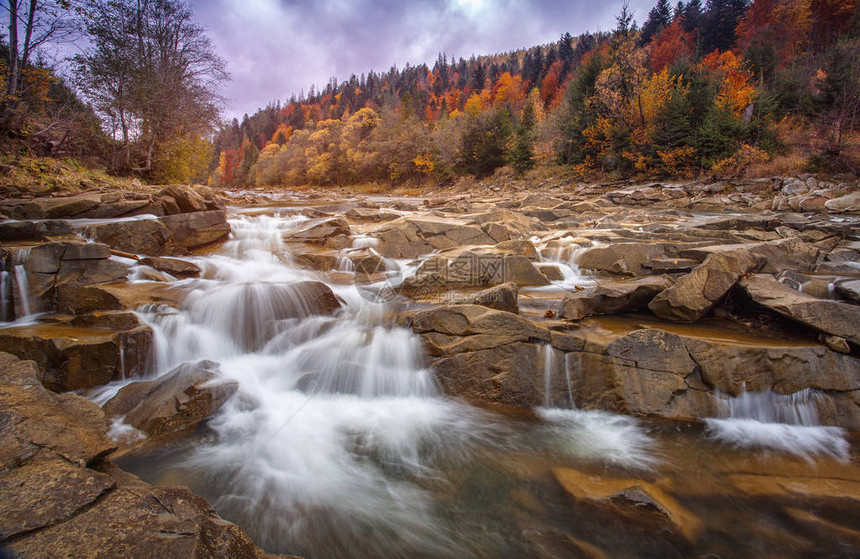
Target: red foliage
[(669, 45)]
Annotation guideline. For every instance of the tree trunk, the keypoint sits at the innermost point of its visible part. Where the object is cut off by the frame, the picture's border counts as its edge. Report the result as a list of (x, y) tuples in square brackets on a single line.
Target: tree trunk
[(12, 71)]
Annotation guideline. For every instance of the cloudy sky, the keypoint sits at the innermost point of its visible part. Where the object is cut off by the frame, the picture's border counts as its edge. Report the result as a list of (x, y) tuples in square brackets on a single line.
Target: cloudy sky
[(275, 48)]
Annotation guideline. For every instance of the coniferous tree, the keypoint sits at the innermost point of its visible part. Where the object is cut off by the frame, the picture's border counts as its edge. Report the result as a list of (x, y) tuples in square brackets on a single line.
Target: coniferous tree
[(659, 17)]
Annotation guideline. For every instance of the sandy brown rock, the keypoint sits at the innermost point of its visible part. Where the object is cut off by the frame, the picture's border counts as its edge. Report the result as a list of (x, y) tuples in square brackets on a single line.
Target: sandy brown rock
[(318, 231), (831, 317), (695, 294), (174, 402), (637, 494), (610, 297)]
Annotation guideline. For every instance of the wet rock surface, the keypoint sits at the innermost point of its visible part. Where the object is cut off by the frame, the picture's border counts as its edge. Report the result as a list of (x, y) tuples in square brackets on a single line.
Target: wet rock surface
[(665, 302), (62, 498)]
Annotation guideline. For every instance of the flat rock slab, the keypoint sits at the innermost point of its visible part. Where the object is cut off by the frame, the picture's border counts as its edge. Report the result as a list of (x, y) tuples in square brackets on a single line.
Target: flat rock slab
[(831, 317), (45, 492)]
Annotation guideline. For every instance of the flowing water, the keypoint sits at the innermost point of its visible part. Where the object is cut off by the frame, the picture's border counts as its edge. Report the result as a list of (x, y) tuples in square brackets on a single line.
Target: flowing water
[(339, 444)]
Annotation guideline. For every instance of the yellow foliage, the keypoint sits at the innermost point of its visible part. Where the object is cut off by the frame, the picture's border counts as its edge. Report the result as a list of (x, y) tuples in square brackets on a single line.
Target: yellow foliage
[(182, 159), (737, 164), (425, 163), (678, 161)]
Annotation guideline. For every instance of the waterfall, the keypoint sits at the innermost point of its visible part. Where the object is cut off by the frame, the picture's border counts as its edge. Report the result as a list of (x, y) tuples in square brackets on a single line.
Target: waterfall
[(23, 289), (548, 362), (783, 422), (5, 294)]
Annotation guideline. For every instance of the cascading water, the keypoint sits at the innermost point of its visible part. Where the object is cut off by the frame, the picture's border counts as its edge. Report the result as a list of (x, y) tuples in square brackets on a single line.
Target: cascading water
[(784, 422), (5, 294), (23, 289), (337, 430)]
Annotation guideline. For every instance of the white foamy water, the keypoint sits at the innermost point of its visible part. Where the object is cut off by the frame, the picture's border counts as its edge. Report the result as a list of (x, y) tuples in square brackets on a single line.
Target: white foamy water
[(337, 441), (602, 436), (779, 422)]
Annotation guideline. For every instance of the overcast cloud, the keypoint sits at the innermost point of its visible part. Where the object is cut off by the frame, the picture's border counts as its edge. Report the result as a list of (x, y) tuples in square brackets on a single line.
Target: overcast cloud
[(276, 48)]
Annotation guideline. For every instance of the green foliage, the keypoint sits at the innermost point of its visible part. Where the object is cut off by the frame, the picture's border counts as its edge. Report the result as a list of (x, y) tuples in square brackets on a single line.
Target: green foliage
[(483, 143), (521, 154)]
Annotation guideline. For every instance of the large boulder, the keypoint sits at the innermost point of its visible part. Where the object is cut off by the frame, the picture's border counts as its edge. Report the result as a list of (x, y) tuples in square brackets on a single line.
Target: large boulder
[(611, 297), (176, 401), (172, 266), (36, 419), (462, 328), (830, 317), (695, 294), (192, 231), (501, 297), (171, 234), (783, 254), (848, 203), (625, 259), (412, 237), (77, 357), (319, 231), (138, 236)]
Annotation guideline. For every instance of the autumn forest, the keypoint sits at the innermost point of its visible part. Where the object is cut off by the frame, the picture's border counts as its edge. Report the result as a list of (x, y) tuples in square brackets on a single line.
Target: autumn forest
[(722, 88)]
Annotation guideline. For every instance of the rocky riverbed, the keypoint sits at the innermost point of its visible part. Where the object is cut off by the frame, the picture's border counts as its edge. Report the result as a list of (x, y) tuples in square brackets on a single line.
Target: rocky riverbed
[(579, 370)]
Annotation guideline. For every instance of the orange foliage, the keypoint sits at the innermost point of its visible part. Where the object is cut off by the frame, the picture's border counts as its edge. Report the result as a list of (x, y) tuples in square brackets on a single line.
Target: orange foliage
[(736, 91), (509, 90), (549, 90), (669, 45)]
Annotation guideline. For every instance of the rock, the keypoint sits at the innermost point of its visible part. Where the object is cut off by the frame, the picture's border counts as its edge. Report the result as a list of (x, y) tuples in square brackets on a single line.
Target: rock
[(461, 328), (501, 297), (645, 195), (637, 494), (318, 231), (837, 344), (90, 272), (367, 262), (849, 290), (136, 520), (83, 299), (46, 492), (519, 248), (626, 259), (172, 266), (321, 261), (110, 320), (611, 297), (176, 401), (412, 237), (30, 230), (185, 198), (779, 255), (847, 203), (671, 265), (74, 358), (830, 317), (550, 271), (695, 294), (55, 505), (540, 201), (371, 215), (197, 230), (35, 419), (140, 236)]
